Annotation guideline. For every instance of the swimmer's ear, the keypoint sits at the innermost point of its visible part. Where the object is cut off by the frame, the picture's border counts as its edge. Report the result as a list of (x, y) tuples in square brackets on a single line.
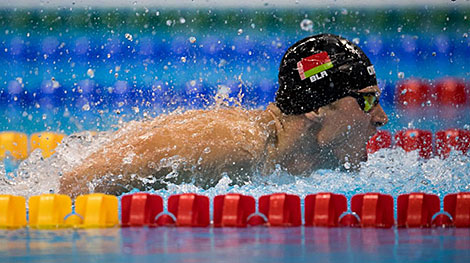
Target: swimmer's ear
[(316, 115)]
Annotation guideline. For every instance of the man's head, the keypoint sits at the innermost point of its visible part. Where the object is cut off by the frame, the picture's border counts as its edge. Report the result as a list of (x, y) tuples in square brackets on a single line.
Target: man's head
[(331, 82), (319, 70)]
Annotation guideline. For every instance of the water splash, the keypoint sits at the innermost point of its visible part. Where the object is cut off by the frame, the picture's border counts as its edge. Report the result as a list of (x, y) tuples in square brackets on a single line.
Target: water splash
[(37, 175), (391, 171)]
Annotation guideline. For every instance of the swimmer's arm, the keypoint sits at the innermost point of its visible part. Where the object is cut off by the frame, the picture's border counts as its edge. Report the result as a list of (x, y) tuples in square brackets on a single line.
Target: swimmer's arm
[(108, 160)]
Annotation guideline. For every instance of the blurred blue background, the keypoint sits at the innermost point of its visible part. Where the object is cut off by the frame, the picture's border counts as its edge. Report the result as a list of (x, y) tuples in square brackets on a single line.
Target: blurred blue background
[(74, 68)]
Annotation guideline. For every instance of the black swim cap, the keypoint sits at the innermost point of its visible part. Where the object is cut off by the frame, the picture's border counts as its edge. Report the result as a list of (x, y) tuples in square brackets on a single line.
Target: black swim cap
[(319, 70)]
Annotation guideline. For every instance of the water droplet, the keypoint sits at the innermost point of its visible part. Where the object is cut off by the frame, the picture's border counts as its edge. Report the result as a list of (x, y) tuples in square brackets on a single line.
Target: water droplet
[(356, 41), (306, 25), (128, 36), (86, 107), (465, 35), (182, 20), (183, 59), (169, 23), (240, 31), (401, 75), (55, 83), (192, 40), (207, 150), (90, 73), (434, 54)]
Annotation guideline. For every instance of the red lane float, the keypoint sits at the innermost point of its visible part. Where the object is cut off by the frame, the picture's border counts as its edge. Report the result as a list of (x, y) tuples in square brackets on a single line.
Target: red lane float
[(414, 139), (413, 94), (324, 209), (373, 209), (451, 92), (189, 210), (140, 209), (382, 139), (281, 209), (452, 138), (232, 210), (458, 206), (416, 209)]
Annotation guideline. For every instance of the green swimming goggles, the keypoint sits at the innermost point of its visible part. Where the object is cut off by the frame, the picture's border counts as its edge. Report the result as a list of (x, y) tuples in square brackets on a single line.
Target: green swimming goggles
[(366, 100)]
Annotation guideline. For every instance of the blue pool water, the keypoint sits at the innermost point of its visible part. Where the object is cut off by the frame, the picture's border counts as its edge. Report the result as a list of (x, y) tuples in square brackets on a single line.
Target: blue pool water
[(97, 69), (257, 244)]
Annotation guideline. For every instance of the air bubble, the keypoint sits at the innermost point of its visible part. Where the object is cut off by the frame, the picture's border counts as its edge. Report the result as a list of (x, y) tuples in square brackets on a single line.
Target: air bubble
[(128, 36), (192, 40)]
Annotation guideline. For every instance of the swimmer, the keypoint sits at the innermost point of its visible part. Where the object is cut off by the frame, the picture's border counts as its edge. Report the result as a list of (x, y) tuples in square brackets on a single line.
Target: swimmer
[(325, 110)]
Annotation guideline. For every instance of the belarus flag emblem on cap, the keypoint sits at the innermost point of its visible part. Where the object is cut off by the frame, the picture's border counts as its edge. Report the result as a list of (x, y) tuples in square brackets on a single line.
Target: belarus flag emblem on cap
[(313, 65)]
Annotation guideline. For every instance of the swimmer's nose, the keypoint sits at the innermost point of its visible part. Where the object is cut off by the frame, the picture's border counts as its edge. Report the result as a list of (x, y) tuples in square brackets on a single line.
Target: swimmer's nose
[(379, 117)]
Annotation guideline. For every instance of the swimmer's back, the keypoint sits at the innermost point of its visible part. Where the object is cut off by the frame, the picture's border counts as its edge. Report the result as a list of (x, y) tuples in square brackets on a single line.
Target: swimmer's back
[(206, 142)]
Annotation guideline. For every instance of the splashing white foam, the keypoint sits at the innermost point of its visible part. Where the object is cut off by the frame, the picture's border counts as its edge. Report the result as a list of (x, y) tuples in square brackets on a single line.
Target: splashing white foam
[(37, 175), (390, 171)]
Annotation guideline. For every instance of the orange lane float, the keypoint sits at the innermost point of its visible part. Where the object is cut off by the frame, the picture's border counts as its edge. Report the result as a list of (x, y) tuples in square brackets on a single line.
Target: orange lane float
[(12, 211), (49, 210), (46, 141), (235, 210), (97, 210), (14, 144)]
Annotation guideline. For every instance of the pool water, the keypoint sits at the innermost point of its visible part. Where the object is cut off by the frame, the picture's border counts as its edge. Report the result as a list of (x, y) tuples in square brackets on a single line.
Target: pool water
[(87, 71), (255, 244)]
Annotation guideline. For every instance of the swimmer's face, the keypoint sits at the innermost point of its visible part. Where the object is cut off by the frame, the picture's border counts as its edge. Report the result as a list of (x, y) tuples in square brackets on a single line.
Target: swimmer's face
[(346, 128)]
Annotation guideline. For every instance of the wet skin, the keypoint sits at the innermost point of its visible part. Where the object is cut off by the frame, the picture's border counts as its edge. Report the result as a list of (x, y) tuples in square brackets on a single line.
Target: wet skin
[(349, 128), (241, 143), (332, 136)]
